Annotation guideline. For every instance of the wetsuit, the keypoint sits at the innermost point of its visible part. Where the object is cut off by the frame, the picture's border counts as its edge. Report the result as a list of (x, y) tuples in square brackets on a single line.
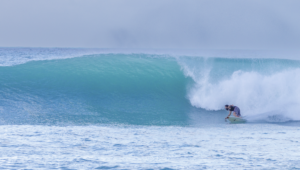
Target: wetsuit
[(236, 110)]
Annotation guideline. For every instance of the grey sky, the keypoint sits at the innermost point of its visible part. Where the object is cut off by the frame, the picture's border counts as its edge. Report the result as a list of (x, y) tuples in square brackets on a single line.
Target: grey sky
[(150, 23)]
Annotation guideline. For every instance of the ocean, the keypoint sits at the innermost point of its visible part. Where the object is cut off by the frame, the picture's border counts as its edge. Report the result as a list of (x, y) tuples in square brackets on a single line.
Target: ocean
[(73, 108)]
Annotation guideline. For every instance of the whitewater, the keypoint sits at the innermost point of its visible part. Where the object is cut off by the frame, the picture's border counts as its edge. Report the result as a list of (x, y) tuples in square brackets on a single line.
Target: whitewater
[(64, 108)]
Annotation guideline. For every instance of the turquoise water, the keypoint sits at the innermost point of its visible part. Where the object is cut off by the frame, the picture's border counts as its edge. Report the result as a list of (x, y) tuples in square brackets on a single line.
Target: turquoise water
[(130, 89), (89, 108)]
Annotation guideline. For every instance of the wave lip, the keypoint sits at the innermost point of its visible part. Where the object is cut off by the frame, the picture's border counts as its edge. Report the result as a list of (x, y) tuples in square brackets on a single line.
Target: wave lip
[(15, 56), (10, 56)]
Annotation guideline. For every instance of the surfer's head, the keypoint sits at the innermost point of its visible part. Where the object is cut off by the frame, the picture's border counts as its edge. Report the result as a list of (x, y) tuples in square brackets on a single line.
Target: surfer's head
[(226, 107)]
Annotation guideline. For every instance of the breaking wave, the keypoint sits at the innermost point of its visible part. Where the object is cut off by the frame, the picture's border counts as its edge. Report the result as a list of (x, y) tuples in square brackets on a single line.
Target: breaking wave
[(147, 89)]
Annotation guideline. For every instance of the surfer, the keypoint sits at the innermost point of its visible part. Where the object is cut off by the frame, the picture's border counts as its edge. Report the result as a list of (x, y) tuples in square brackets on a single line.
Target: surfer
[(235, 109)]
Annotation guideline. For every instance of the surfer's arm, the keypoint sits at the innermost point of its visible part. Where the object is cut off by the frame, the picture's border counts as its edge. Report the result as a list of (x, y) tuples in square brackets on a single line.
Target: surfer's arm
[(228, 115)]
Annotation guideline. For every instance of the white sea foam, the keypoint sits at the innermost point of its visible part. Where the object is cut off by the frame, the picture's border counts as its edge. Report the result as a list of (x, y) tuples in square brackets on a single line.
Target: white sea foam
[(255, 93)]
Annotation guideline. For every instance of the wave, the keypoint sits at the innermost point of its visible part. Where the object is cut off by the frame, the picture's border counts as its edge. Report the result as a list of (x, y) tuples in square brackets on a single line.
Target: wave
[(147, 89)]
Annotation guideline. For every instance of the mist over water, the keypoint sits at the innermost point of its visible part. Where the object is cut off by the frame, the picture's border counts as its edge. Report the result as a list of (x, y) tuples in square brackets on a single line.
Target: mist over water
[(151, 24)]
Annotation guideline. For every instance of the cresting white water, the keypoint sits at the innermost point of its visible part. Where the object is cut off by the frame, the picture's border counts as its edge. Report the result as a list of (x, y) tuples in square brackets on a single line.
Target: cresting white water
[(257, 94), (260, 89)]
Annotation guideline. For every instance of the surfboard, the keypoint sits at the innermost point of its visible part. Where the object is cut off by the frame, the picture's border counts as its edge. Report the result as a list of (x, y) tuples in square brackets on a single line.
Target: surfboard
[(236, 120)]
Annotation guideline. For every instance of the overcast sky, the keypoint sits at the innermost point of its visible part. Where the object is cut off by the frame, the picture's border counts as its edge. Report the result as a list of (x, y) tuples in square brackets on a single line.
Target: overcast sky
[(186, 24)]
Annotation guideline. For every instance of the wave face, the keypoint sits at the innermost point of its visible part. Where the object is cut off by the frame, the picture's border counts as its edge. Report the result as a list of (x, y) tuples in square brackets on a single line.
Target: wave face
[(134, 89), (49, 86)]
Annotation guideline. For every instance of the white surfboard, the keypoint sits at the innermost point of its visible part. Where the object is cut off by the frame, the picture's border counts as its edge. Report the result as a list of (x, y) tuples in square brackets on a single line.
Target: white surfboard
[(236, 120)]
